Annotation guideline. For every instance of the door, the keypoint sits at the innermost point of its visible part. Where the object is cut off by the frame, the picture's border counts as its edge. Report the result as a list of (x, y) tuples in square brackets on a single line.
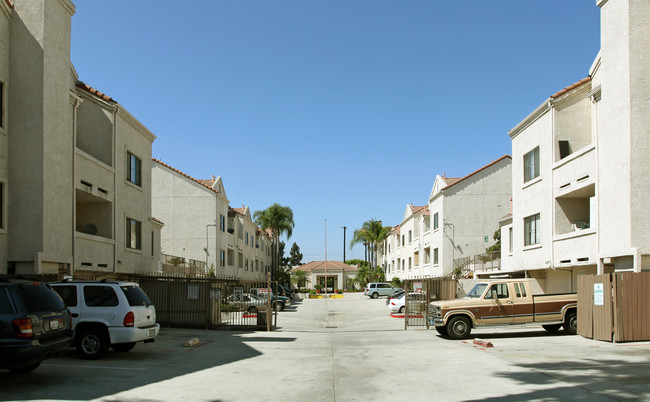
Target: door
[(500, 309)]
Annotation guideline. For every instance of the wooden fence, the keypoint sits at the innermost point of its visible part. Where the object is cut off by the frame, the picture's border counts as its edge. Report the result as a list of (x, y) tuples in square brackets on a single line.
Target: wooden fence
[(614, 307)]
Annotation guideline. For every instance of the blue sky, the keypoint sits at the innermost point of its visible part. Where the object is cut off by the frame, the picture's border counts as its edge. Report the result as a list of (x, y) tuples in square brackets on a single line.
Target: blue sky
[(343, 110)]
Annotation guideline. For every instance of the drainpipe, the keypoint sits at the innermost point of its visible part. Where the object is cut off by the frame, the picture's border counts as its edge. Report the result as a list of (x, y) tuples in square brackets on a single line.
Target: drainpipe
[(75, 105), (115, 169)]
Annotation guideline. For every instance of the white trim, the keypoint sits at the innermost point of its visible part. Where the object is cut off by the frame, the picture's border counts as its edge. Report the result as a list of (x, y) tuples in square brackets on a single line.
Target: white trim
[(531, 118)]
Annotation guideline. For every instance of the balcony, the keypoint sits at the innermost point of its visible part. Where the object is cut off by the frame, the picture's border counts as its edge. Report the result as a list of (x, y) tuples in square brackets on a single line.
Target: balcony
[(575, 248), (94, 253), (574, 173)]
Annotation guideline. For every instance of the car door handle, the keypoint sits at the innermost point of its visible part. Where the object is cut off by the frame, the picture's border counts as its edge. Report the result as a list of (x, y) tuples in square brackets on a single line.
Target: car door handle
[(75, 315)]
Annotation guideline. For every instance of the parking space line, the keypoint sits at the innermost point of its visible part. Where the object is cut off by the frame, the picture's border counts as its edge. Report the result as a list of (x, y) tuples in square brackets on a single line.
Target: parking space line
[(99, 367)]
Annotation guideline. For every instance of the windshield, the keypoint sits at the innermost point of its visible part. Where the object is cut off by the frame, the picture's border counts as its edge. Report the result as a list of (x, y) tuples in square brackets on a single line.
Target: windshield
[(477, 290)]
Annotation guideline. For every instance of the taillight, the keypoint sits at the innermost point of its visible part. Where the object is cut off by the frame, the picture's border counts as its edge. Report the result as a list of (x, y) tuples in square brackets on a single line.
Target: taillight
[(69, 320), (23, 327), (129, 319), (393, 303)]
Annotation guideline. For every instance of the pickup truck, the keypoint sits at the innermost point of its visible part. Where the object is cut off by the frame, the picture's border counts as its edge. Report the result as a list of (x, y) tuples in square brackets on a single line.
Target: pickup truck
[(503, 302)]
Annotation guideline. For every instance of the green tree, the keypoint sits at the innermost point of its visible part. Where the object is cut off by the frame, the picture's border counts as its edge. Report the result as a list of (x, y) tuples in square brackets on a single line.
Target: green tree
[(496, 246), (284, 261), (279, 220), (295, 256)]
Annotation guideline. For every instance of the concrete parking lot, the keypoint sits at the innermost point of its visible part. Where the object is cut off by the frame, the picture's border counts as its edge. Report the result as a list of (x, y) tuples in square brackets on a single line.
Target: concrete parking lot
[(346, 350)]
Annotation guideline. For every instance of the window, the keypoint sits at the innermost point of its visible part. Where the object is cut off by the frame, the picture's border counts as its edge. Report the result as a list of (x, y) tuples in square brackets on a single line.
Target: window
[(68, 294), (501, 290), (565, 149), (133, 237), (402, 265), (403, 241), (241, 260), (222, 258), (519, 292), (510, 239), (435, 221), (246, 265), (531, 230), (531, 165), (246, 237), (152, 242), (389, 247), (427, 224), (409, 263), (133, 169), (427, 255), (410, 237), (222, 223), (100, 296), (435, 256)]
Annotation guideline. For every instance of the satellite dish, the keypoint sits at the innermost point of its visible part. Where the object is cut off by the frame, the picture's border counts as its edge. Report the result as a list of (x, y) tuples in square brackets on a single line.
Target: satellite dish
[(90, 229)]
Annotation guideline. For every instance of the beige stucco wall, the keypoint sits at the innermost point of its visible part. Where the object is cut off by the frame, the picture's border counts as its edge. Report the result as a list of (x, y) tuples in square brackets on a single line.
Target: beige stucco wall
[(5, 16)]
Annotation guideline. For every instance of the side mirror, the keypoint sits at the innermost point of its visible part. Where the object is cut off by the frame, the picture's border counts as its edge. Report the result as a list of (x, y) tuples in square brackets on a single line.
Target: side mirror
[(495, 296)]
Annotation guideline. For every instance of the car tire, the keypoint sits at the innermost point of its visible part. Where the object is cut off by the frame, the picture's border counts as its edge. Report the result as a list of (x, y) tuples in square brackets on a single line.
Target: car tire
[(92, 343), (401, 310), (123, 347), (459, 327), (281, 306), (552, 327), (25, 369), (252, 310), (442, 331), (375, 295), (571, 323)]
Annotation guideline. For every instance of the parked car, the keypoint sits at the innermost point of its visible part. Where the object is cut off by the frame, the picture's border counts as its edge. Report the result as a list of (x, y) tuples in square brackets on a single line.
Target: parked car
[(394, 295), (376, 289), (287, 292), (108, 314), (416, 302), (34, 324), (282, 301), (247, 302), (504, 302)]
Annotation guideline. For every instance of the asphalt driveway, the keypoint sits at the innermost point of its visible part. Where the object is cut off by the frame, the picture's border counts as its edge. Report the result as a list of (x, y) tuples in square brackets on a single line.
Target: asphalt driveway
[(346, 350)]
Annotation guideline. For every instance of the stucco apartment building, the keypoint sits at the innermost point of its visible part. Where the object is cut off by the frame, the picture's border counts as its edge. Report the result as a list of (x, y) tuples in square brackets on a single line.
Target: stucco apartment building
[(202, 228), (75, 184), (581, 172), (459, 221)]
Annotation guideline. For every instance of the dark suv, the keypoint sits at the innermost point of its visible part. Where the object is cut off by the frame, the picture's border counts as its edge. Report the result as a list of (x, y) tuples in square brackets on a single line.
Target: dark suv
[(34, 324)]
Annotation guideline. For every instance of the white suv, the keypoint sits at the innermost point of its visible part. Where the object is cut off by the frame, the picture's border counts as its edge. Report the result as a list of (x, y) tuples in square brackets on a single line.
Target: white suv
[(108, 313)]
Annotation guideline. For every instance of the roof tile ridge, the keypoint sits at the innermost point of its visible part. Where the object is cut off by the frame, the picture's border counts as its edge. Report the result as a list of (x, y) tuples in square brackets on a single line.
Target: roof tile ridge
[(478, 170)]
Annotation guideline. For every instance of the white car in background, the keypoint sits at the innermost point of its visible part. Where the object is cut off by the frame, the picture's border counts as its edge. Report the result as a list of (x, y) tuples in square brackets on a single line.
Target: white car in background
[(397, 304)]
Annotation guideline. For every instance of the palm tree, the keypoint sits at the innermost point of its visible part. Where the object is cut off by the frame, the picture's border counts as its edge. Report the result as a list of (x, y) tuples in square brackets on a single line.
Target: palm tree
[(299, 277), (279, 220), (371, 232)]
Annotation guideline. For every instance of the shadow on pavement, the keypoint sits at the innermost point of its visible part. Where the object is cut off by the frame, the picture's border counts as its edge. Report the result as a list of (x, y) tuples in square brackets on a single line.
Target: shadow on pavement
[(591, 379), (73, 378)]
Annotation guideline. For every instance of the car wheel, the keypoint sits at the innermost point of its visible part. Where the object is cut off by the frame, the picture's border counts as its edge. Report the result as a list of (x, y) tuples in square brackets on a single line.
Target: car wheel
[(281, 306), (459, 327), (401, 309), (25, 369), (123, 347), (252, 309), (552, 327), (442, 331), (92, 344), (375, 295), (571, 323)]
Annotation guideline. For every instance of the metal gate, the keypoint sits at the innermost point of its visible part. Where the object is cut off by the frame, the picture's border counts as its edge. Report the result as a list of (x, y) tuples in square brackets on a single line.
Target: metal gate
[(209, 302), (419, 293)]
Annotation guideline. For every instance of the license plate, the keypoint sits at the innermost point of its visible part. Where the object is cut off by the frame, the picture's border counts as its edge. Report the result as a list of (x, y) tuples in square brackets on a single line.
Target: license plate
[(151, 332), (54, 324)]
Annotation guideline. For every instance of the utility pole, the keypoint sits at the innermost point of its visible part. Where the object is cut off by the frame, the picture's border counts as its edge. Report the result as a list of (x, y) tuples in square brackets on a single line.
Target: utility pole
[(344, 244)]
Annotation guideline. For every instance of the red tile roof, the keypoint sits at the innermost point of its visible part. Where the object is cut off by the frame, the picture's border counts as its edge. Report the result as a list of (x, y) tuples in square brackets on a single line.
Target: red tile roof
[(475, 172), (415, 210), (95, 92), (321, 265), (185, 175), (570, 87), (157, 220), (395, 229)]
